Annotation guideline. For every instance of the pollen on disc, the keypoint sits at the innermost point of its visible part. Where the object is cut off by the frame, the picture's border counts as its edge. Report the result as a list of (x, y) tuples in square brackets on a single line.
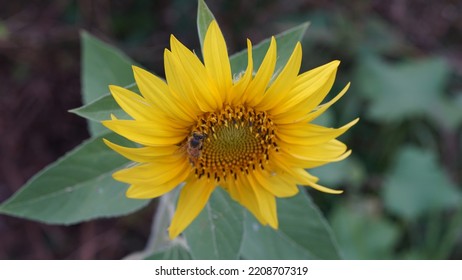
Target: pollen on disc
[(235, 140)]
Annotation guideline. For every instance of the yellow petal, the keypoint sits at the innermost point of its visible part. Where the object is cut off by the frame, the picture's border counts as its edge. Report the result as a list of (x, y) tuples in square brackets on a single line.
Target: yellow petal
[(205, 91), (156, 91), (313, 74), (179, 84), (154, 179), (147, 133), (275, 184), (266, 202), (154, 173), (143, 154), (322, 108), (257, 87), (284, 81), (323, 189), (133, 104), (300, 115), (241, 191), (310, 134), (304, 178), (216, 58), (332, 150), (150, 190), (308, 93), (193, 198), (302, 162), (240, 86)]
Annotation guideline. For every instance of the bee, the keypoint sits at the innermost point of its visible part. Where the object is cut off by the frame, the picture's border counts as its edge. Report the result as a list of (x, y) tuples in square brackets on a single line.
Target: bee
[(194, 145)]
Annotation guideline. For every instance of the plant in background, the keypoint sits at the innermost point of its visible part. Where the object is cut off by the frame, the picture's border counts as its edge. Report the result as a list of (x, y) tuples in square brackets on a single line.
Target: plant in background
[(232, 122)]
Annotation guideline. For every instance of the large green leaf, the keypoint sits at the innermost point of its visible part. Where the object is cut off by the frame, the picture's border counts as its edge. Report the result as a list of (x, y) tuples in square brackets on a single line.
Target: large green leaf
[(102, 65), (102, 108), (303, 233), (417, 185), (218, 230), (363, 234), (76, 188), (401, 90), (175, 252), (447, 112)]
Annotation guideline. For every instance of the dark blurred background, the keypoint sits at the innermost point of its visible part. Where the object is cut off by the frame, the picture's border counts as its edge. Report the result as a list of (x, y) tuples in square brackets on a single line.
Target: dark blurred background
[(40, 82)]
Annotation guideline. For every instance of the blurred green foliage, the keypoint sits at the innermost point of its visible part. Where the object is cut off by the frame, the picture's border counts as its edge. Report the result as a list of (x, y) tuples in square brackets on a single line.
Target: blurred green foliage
[(403, 188)]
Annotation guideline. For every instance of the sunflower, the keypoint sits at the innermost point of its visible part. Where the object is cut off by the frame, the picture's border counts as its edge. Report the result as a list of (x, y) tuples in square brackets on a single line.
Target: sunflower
[(249, 133)]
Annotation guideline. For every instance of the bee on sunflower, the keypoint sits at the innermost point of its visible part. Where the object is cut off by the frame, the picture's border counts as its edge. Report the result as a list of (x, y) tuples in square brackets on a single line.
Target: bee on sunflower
[(250, 134)]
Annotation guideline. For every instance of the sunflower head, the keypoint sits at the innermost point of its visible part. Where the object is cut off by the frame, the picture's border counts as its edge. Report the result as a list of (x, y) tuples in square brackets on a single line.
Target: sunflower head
[(251, 135)]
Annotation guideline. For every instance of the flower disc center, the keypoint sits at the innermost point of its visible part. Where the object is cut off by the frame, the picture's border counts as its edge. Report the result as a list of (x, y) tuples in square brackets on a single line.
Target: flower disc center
[(231, 145), (233, 141)]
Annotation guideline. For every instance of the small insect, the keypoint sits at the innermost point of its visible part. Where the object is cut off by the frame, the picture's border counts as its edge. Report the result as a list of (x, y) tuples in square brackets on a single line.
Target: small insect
[(194, 144)]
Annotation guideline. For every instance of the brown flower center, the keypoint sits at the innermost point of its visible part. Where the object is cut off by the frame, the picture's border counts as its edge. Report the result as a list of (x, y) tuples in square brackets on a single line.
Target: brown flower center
[(231, 142)]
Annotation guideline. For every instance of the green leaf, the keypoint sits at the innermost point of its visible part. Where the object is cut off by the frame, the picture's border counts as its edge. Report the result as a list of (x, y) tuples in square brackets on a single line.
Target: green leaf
[(362, 234), (447, 112), (217, 232), (303, 233), (102, 108), (102, 65), (286, 42), (204, 18), (397, 91), (417, 185), (175, 252), (76, 188)]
